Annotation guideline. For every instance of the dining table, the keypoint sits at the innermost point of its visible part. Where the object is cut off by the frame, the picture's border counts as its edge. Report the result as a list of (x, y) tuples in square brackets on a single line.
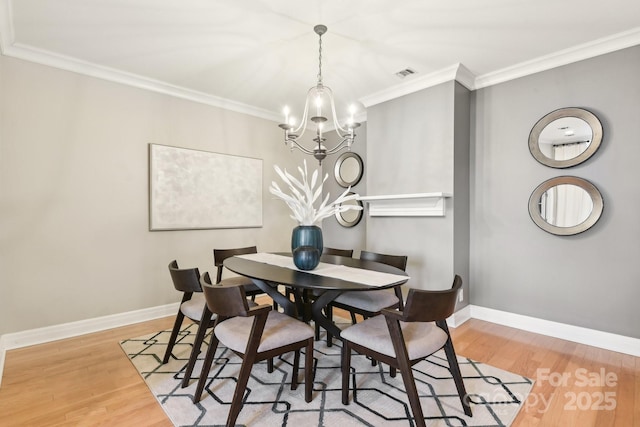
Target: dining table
[(314, 289)]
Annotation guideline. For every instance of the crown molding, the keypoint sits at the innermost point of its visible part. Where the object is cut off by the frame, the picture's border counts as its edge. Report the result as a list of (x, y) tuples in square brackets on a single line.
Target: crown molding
[(410, 86), (457, 72), (464, 76), (27, 53), (563, 57)]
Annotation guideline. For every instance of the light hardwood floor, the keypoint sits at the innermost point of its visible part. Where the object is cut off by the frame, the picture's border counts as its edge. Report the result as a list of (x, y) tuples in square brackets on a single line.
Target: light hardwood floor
[(88, 380)]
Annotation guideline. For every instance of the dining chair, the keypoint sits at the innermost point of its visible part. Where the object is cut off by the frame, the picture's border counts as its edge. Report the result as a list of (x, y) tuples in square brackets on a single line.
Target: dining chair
[(255, 334), (402, 338), (194, 307), (205, 323), (219, 255), (369, 303), (338, 252)]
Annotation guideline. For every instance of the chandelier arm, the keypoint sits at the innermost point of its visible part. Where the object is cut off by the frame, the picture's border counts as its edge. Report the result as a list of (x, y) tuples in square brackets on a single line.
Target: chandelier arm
[(305, 115), (295, 144), (337, 126), (340, 146)]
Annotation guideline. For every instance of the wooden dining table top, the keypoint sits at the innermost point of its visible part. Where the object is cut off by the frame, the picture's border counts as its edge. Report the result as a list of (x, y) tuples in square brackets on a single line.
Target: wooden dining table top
[(307, 279)]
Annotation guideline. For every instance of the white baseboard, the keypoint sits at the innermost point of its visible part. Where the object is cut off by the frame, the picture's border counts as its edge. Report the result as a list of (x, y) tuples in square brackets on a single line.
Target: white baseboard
[(2, 355), (81, 327), (459, 317), (592, 337)]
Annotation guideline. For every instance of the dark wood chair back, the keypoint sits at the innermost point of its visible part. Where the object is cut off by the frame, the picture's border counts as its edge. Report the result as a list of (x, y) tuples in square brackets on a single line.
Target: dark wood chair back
[(338, 252), (219, 255), (186, 279), (397, 261), (225, 300), (430, 306)]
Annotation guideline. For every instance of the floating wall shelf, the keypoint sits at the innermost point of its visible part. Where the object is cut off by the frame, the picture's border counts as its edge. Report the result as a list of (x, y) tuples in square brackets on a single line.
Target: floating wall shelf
[(418, 204)]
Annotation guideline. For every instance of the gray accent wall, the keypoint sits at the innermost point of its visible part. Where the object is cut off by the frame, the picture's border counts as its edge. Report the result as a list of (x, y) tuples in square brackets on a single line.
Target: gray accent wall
[(461, 189), (419, 143), (591, 279)]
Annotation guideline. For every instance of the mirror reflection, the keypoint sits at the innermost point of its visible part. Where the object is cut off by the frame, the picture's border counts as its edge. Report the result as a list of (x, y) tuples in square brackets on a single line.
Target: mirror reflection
[(565, 137), (565, 205), (348, 169), (350, 218)]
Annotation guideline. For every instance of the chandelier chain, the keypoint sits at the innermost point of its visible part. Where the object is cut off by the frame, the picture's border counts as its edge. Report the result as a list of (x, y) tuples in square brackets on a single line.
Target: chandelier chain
[(320, 60)]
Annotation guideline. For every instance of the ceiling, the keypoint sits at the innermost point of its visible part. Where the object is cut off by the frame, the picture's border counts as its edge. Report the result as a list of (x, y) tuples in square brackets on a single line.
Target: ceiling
[(257, 56)]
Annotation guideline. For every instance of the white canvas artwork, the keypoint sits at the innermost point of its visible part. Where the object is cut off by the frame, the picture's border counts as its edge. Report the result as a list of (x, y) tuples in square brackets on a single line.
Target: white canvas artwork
[(193, 189)]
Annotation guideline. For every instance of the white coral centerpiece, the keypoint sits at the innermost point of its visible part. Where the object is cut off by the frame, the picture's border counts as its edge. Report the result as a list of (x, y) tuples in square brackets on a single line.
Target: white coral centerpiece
[(304, 195)]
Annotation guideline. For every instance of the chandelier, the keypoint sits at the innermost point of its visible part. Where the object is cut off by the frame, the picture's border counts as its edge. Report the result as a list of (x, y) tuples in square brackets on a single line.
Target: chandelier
[(319, 99)]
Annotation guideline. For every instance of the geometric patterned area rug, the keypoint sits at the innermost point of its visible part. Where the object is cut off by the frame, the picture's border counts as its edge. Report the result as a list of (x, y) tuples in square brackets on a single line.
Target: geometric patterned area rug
[(496, 395)]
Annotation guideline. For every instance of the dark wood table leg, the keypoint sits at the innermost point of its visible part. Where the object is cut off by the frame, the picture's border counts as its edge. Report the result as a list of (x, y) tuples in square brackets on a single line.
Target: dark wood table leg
[(316, 311), (302, 304), (271, 289)]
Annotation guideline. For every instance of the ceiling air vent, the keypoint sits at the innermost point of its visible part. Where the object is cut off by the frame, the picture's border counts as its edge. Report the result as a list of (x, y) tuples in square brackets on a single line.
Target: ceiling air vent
[(404, 73)]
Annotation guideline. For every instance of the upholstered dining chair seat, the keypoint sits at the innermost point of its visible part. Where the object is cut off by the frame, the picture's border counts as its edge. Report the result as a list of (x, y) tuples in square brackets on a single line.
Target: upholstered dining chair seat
[(421, 338), (372, 301), (194, 307), (279, 331)]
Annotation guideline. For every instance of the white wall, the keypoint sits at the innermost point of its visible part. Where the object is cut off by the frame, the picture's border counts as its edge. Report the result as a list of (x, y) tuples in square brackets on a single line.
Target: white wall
[(74, 239)]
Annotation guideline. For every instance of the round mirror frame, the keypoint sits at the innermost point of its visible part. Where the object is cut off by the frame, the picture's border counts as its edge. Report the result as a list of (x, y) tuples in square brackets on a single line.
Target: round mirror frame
[(340, 162), (594, 216), (580, 113), (348, 224)]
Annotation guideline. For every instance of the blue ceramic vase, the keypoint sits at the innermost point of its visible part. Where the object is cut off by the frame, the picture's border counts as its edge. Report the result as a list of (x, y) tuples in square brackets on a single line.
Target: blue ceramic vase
[(306, 257), (307, 235)]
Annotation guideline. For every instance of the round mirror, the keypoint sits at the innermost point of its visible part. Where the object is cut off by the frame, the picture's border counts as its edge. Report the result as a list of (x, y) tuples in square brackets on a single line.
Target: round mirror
[(352, 217), (348, 169), (565, 205), (565, 137)]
